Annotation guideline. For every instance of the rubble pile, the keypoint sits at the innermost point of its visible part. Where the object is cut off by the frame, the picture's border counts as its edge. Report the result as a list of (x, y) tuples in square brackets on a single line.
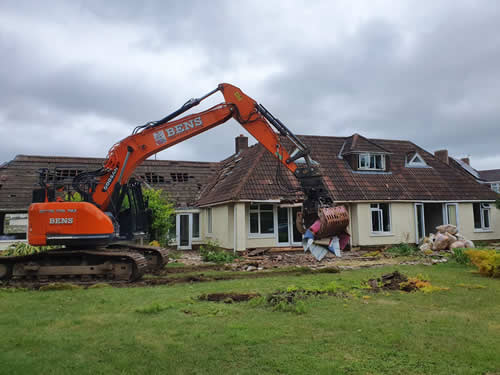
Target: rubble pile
[(446, 238)]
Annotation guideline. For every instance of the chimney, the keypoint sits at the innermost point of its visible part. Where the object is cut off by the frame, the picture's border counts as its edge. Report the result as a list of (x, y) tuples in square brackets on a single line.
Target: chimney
[(466, 160), (241, 143), (442, 155)]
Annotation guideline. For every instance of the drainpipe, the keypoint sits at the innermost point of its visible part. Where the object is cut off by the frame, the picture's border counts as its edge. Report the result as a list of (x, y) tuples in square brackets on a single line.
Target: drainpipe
[(234, 228)]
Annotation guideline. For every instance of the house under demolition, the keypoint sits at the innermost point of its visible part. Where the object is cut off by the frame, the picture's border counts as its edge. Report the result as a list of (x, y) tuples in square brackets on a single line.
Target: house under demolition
[(393, 190)]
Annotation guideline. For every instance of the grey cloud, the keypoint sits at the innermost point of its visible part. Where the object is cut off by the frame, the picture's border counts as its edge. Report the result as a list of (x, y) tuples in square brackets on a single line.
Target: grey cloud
[(438, 88)]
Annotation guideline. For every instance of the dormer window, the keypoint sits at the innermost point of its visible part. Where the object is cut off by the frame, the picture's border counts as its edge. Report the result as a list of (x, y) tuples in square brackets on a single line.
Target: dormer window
[(415, 161), (371, 162)]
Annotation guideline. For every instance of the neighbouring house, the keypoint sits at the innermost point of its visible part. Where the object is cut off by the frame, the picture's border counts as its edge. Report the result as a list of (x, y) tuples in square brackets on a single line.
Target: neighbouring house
[(490, 177), (393, 190)]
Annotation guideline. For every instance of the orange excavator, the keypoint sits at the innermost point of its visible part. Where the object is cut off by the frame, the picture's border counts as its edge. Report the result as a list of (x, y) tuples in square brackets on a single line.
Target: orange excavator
[(90, 229)]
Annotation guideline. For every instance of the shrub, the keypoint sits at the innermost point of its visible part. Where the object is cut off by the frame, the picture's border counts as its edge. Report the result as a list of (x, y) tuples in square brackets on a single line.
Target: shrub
[(487, 261), (402, 249), (460, 256), (163, 215), (24, 248), (211, 252)]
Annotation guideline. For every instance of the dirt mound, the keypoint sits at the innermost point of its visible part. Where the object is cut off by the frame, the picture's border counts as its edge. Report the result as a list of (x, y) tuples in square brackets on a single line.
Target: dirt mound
[(228, 297), (390, 281)]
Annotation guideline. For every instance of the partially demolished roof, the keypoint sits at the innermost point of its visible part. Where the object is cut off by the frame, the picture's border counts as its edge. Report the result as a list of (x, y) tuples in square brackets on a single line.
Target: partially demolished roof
[(254, 176), (251, 175), (183, 180)]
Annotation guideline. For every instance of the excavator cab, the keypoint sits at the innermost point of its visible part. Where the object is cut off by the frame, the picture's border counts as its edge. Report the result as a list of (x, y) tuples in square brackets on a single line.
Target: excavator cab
[(134, 216)]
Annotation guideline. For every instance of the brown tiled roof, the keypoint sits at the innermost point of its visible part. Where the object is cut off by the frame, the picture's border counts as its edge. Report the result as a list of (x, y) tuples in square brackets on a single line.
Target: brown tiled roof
[(490, 175), (357, 143), (254, 176), (183, 180), (248, 175)]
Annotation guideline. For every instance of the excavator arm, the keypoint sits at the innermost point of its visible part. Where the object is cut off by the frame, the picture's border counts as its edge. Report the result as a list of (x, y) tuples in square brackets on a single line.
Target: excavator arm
[(125, 156), (103, 190)]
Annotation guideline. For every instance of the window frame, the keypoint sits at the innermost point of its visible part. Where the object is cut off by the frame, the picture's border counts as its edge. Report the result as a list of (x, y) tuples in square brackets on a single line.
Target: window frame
[(381, 219), (446, 219), (483, 207), (199, 227), (495, 187), (258, 211), (414, 164), (370, 155), (209, 221)]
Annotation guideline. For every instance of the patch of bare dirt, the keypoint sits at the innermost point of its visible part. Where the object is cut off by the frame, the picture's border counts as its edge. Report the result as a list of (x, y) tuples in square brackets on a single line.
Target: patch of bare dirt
[(397, 281), (390, 281), (228, 297)]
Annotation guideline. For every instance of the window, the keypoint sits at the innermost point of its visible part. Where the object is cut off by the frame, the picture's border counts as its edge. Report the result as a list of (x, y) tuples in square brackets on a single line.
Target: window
[(372, 162), (179, 177), (196, 225), (496, 187), (153, 178), (261, 219), (482, 216), (416, 161), (381, 218), (209, 220), (61, 174), (450, 214)]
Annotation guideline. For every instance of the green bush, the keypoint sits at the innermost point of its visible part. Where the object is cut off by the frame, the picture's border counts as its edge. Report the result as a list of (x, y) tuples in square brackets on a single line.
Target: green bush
[(211, 252), (402, 249), (487, 261), (24, 248), (163, 215), (459, 255)]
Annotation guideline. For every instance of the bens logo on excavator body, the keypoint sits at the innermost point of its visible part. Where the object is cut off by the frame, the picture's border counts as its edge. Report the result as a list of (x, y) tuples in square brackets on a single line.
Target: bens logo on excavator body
[(162, 135), (61, 220)]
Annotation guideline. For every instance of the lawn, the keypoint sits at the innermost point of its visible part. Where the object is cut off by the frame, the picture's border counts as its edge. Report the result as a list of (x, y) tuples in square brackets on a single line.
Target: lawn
[(166, 330)]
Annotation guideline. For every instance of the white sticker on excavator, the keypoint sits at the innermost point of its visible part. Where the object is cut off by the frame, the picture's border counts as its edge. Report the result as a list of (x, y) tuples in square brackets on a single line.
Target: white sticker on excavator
[(160, 137)]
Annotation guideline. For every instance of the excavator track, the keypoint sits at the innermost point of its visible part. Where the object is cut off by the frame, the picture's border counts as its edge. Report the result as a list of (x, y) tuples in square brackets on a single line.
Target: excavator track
[(120, 264), (156, 257)]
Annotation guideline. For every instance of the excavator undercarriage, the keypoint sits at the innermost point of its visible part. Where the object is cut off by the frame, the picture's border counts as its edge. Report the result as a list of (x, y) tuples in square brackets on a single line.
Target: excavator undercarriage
[(116, 263)]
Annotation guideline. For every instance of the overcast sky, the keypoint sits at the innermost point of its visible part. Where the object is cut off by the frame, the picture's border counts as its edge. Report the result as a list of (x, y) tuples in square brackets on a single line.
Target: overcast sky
[(77, 76)]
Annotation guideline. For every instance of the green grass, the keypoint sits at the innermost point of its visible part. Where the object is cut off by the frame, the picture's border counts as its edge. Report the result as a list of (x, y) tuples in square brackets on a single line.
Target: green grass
[(166, 330)]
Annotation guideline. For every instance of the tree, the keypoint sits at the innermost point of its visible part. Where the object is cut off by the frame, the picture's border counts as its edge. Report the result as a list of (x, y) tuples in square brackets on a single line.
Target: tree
[(163, 213)]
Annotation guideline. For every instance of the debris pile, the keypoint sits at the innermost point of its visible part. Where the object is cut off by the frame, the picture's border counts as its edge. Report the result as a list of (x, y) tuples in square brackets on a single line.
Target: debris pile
[(446, 238)]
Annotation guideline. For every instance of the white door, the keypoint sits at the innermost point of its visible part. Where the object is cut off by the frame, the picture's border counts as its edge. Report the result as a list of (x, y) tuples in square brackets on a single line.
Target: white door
[(288, 235), (419, 222), (184, 231)]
